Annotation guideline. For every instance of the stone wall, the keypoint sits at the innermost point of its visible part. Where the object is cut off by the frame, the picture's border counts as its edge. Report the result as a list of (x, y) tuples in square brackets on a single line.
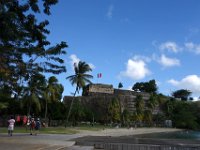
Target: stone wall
[(101, 93), (127, 98), (99, 88)]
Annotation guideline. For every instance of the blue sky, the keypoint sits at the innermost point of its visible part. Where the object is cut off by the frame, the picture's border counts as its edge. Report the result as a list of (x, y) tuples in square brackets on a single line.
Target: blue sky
[(131, 41)]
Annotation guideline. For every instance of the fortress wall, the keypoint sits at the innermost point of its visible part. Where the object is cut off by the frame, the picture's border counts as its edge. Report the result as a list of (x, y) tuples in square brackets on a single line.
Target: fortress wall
[(101, 93)]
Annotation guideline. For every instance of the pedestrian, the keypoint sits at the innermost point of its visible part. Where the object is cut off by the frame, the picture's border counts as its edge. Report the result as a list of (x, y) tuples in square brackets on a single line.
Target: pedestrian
[(37, 126), (11, 123), (28, 122), (32, 126)]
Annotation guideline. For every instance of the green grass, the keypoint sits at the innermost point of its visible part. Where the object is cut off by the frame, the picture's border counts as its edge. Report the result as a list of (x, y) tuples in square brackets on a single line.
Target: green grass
[(55, 130), (58, 130), (89, 127), (49, 130)]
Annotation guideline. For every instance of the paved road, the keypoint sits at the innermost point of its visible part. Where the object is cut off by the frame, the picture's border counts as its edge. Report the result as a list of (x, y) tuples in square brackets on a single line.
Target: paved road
[(40, 142)]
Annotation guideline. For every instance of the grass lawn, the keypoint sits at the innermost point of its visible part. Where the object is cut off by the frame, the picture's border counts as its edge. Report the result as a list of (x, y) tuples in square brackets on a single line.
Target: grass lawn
[(55, 130)]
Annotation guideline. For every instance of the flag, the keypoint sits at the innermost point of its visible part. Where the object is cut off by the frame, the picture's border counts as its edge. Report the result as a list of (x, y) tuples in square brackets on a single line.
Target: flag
[(99, 75)]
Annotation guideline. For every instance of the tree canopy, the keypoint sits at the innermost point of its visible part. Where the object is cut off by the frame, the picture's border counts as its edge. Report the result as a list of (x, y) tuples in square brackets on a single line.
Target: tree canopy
[(24, 48), (182, 94), (79, 79), (149, 87), (120, 85)]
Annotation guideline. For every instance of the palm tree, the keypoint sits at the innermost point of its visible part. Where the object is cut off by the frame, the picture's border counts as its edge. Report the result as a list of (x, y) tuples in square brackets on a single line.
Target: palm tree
[(80, 78), (53, 92), (34, 92)]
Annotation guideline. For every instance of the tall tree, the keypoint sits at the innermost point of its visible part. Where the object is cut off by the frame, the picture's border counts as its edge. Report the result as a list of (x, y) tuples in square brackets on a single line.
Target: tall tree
[(34, 93), (24, 47), (79, 79), (53, 93)]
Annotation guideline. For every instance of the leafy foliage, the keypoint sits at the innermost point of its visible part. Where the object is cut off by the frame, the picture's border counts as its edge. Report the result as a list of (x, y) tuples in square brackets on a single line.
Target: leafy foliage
[(182, 94), (24, 48), (114, 110), (183, 116), (139, 105), (149, 87), (80, 78), (120, 85), (53, 92)]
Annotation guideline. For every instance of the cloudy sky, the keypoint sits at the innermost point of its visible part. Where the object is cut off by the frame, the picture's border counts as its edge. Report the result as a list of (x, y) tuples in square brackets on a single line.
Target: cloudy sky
[(131, 41)]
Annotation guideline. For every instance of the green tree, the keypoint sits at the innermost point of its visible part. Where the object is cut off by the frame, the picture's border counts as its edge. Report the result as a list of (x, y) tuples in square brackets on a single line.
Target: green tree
[(139, 106), (151, 105), (149, 87), (120, 85), (125, 117), (24, 48), (79, 79), (182, 94), (77, 112), (195, 106), (152, 102), (183, 115), (33, 93), (114, 110), (53, 92)]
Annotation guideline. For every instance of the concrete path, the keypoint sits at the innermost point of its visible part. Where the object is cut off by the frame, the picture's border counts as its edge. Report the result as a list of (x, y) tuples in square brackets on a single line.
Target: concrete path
[(40, 142), (25, 141)]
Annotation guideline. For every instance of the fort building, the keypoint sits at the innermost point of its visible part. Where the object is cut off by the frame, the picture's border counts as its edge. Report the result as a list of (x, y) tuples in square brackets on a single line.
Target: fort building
[(104, 93)]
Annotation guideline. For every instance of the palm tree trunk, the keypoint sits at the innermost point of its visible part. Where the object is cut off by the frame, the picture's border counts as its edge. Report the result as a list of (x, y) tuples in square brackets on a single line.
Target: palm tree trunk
[(29, 109), (45, 116), (70, 108)]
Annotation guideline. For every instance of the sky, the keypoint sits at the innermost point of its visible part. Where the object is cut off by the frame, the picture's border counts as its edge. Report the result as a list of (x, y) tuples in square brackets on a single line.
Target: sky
[(131, 41)]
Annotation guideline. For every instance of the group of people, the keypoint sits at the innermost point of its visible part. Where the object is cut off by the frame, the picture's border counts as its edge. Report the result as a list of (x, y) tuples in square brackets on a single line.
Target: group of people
[(32, 124)]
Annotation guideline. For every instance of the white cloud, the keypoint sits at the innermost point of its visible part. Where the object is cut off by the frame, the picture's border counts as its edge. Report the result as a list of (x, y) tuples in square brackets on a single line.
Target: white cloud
[(91, 66), (170, 46), (74, 59), (140, 57), (193, 47), (168, 62), (135, 69), (110, 11), (190, 82)]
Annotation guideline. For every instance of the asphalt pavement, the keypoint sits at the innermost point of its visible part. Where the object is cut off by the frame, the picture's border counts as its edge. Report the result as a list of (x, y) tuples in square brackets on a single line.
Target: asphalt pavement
[(21, 141)]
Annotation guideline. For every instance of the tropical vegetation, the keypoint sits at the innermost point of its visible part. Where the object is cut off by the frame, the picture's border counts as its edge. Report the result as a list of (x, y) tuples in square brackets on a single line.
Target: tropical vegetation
[(27, 58)]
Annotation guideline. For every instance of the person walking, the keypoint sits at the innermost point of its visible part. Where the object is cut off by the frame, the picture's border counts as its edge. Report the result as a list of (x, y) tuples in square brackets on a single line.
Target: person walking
[(37, 126), (11, 123), (28, 122), (32, 126)]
